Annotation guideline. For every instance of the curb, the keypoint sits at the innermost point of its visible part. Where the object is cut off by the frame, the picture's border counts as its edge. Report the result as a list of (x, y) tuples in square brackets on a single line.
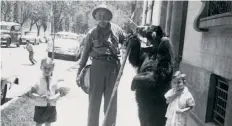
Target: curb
[(15, 100), (5, 105)]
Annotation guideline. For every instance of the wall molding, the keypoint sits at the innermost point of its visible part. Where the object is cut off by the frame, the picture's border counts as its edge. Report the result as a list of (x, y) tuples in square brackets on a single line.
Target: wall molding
[(217, 21), (202, 13)]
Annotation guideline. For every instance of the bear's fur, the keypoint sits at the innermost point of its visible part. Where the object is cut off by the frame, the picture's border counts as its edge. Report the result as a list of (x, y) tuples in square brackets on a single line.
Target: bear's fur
[(154, 73)]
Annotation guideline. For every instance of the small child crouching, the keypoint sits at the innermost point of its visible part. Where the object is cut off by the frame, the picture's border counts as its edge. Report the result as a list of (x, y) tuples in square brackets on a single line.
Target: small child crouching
[(46, 93), (180, 101)]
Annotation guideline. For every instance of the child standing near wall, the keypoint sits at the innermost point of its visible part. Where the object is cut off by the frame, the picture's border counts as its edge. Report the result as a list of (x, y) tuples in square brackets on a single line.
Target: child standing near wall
[(46, 93), (180, 101)]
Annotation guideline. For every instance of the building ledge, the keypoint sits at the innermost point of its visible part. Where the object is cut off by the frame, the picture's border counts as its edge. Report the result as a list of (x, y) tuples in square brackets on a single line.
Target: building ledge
[(217, 21)]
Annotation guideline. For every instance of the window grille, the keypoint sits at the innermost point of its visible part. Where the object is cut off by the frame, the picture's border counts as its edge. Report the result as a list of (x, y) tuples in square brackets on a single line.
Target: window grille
[(219, 110), (219, 7)]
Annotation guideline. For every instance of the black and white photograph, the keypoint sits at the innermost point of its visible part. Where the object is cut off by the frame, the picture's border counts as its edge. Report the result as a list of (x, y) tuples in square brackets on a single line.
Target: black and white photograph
[(116, 63)]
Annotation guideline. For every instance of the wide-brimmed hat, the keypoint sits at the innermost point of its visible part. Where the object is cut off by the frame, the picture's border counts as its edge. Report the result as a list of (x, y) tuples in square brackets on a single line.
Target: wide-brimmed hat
[(102, 7)]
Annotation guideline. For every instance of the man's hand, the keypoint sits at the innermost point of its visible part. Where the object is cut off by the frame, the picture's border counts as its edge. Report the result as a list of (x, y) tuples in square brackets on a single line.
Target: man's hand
[(78, 80), (78, 75)]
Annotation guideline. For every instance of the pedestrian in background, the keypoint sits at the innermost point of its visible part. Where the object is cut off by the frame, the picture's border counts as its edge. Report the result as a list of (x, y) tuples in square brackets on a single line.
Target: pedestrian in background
[(45, 93), (30, 49), (180, 101), (102, 46)]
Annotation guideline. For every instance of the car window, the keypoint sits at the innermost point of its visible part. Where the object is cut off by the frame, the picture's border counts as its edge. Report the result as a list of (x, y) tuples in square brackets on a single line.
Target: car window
[(31, 33), (12, 28), (17, 28), (5, 27)]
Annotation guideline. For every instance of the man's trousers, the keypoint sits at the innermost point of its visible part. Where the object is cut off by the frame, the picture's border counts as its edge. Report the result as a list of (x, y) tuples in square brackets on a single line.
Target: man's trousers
[(103, 74)]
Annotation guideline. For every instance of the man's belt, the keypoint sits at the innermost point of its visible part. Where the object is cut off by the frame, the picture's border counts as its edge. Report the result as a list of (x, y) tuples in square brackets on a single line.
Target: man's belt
[(105, 57)]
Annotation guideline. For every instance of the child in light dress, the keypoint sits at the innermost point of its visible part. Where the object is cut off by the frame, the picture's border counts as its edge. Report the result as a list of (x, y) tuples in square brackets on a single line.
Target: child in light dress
[(180, 101)]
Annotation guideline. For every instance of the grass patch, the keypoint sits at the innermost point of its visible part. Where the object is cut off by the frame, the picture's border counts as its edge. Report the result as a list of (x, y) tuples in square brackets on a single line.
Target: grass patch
[(18, 113)]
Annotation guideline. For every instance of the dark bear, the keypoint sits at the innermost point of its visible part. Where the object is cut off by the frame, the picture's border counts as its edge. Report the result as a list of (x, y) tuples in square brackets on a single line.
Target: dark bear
[(154, 73)]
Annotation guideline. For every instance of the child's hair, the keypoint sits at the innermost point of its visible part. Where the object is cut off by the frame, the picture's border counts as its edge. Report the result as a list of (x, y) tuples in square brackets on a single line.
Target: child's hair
[(180, 75), (47, 62)]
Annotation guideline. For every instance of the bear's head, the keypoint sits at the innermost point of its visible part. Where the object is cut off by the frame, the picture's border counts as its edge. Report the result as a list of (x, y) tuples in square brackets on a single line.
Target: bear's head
[(153, 33)]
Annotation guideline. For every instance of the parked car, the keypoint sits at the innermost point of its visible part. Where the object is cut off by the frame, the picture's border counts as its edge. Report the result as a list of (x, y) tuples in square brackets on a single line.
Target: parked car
[(6, 83), (43, 39), (66, 44), (10, 33), (32, 37)]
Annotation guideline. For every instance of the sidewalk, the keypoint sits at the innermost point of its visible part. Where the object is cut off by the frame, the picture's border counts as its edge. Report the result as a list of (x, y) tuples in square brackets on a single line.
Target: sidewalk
[(73, 109)]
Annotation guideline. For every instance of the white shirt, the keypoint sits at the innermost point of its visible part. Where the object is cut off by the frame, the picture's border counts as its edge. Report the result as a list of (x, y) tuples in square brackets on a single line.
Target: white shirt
[(29, 47), (41, 89)]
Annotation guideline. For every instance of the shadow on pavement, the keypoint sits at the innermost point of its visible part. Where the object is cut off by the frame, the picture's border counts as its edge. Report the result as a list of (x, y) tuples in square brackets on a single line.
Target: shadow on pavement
[(8, 47), (28, 64)]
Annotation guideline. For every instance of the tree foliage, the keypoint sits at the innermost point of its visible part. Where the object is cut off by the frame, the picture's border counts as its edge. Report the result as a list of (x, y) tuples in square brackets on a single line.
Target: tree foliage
[(6, 10), (74, 16)]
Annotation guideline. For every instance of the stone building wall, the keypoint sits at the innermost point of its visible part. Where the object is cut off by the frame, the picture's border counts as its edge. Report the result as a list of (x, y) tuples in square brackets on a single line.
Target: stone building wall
[(204, 54)]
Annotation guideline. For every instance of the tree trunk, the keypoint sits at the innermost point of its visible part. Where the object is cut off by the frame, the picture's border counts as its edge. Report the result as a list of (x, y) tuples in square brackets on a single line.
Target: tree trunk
[(16, 12), (38, 30), (133, 6), (4, 17), (31, 25)]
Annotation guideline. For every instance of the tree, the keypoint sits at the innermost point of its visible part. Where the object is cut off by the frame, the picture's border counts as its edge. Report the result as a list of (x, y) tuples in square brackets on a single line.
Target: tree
[(6, 10), (22, 12), (60, 10), (39, 15), (44, 24)]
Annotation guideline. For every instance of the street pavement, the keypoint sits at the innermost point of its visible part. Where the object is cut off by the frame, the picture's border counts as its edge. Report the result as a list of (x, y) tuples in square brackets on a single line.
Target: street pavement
[(72, 109)]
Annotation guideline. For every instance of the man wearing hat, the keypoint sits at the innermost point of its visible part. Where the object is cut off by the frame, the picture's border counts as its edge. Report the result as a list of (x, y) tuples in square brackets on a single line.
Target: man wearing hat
[(102, 46)]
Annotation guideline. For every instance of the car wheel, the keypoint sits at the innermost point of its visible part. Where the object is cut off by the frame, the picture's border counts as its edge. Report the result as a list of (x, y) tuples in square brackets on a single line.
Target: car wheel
[(8, 42), (4, 95)]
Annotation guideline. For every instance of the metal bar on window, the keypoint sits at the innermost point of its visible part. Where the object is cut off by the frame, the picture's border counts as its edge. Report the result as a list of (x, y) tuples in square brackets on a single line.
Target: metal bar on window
[(219, 110), (221, 107), (217, 121), (219, 114), (222, 90), (221, 81), (222, 99)]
